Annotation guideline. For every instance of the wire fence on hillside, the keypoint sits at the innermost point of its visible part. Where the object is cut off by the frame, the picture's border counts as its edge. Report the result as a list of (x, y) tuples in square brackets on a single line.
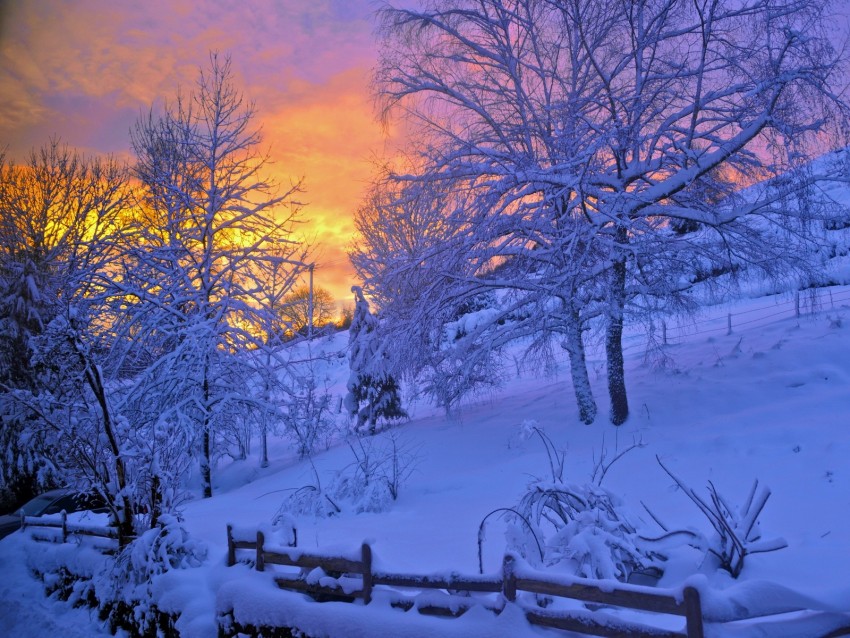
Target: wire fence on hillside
[(672, 330)]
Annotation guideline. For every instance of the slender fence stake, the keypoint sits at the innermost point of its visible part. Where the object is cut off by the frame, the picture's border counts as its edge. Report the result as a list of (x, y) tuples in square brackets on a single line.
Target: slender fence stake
[(366, 557), (797, 305), (508, 578), (261, 559), (663, 332), (729, 324), (64, 527), (231, 547)]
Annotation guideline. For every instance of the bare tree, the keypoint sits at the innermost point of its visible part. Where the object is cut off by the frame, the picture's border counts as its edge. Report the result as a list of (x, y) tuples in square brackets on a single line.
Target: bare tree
[(278, 273), (579, 136), (295, 311), (195, 284)]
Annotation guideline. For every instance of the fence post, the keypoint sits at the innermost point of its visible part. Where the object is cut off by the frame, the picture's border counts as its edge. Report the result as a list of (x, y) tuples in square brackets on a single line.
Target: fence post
[(64, 527), (693, 613), (231, 547), (797, 304), (261, 559), (508, 578), (729, 324), (663, 332), (366, 558)]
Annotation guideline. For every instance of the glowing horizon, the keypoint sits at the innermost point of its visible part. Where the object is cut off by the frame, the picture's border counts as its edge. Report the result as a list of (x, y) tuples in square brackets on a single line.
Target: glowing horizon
[(85, 71)]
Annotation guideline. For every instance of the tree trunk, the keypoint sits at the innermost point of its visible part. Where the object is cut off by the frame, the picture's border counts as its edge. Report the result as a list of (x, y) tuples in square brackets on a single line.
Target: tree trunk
[(122, 507), (578, 370), (206, 444), (156, 500), (206, 471), (264, 461), (614, 345)]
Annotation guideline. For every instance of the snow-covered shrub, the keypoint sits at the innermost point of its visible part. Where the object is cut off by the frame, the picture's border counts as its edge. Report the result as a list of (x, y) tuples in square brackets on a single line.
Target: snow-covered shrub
[(165, 547), (307, 500), (370, 483), (127, 585), (308, 419), (67, 570), (581, 528), (587, 531), (736, 532)]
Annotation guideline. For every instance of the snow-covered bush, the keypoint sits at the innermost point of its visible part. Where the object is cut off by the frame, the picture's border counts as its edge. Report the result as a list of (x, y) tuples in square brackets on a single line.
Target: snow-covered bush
[(308, 419), (127, 585), (578, 527), (587, 531), (161, 549), (373, 479), (307, 500)]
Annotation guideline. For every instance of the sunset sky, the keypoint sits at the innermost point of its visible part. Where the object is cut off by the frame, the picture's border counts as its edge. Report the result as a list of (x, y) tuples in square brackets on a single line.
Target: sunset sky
[(85, 70)]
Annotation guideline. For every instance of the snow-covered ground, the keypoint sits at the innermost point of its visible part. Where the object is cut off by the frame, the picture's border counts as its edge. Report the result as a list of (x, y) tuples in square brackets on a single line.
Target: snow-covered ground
[(770, 401)]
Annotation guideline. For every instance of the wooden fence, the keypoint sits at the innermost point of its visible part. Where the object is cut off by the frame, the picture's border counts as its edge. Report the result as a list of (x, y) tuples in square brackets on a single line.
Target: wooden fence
[(349, 578)]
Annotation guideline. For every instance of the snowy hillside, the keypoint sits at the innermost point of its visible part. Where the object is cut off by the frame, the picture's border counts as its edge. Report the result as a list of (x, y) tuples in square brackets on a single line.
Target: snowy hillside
[(769, 401)]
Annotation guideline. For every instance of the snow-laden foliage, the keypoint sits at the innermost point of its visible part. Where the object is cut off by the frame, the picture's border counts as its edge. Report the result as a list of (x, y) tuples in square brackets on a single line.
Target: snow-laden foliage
[(82, 433), (210, 235), (143, 335), (59, 212), (163, 548), (124, 590)]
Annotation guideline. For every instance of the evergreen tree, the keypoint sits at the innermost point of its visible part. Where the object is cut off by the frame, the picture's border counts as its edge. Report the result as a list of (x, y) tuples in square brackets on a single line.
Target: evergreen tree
[(373, 393)]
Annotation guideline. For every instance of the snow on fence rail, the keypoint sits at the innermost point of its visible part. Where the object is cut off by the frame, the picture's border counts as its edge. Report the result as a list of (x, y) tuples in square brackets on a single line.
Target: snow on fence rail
[(349, 578), (66, 529)]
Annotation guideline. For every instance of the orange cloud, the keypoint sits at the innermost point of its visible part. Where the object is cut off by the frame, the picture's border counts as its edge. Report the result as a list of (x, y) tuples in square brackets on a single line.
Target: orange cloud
[(86, 70), (327, 134)]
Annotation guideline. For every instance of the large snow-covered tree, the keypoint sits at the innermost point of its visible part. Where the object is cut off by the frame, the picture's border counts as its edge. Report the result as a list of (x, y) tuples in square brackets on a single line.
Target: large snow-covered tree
[(210, 229), (453, 293), (581, 138)]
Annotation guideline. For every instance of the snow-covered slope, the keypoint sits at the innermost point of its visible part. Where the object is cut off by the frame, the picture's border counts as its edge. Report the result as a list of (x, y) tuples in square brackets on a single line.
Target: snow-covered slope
[(770, 401)]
